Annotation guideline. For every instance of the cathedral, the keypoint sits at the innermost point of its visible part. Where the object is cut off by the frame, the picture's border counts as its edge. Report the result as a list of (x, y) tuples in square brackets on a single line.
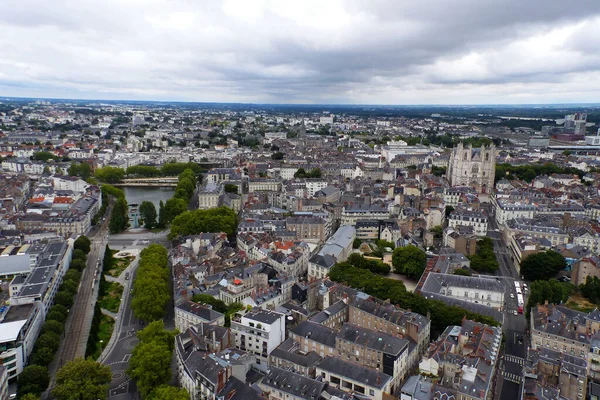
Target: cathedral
[(473, 167)]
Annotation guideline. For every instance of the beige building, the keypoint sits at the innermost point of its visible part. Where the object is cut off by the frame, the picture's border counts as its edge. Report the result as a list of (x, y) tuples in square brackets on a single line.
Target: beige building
[(473, 167)]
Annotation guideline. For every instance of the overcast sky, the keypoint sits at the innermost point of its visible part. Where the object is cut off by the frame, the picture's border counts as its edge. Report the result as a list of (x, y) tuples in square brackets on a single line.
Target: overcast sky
[(303, 51)]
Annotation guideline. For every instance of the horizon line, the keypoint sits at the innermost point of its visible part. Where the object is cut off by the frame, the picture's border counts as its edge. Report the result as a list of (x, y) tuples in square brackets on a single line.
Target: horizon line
[(17, 98)]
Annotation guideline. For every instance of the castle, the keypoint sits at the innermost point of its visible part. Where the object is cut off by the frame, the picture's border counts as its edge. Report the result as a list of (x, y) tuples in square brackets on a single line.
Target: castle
[(473, 167)]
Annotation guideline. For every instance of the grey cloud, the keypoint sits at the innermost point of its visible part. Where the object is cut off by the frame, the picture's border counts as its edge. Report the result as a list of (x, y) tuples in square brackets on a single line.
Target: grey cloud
[(366, 51)]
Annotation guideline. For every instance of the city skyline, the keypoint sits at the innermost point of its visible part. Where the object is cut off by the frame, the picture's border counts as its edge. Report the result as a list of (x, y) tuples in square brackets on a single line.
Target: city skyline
[(261, 52)]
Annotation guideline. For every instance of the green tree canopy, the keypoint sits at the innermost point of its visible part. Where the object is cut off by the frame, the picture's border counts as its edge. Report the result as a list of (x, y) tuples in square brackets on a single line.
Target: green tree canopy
[(542, 266), (83, 243), (52, 326), (148, 213), (119, 220), (82, 379), (551, 290), (169, 393), (220, 219), (110, 174), (33, 379), (42, 356), (78, 265), (484, 259), (79, 255), (410, 261), (231, 188)]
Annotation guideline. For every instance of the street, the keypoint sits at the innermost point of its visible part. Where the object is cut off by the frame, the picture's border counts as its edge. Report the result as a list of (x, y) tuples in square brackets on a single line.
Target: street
[(119, 350), (77, 328)]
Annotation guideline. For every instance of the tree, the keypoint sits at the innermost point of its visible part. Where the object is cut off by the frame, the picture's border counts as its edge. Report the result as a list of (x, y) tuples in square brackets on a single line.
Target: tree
[(169, 393), (551, 290), (52, 326), (56, 316), (33, 379), (356, 243), (219, 219), (79, 255), (173, 207), (44, 156), (64, 298), (29, 396), (110, 174), (73, 275), (82, 379), (155, 331), (150, 366), (437, 231), (464, 272), (484, 259), (148, 214), (42, 356), (231, 188), (542, 266), (82, 243), (591, 289), (409, 261), (78, 265), (277, 155), (119, 220)]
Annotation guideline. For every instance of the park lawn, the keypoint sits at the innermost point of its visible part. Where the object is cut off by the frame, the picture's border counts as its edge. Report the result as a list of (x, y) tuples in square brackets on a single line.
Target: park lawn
[(112, 299), (119, 265), (107, 325), (580, 303)]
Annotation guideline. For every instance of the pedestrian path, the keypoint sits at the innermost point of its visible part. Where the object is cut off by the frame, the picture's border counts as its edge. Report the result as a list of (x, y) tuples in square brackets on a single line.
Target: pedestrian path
[(514, 359), (512, 377)]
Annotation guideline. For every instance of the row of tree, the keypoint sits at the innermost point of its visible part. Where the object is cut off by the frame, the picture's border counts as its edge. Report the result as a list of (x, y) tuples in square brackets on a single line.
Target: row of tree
[(219, 219), (151, 292), (34, 378), (530, 171), (484, 259), (119, 217), (150, 363), (375, 285), (78, 379), (113, 174), (553, 291), (186, 187), (92, 343)]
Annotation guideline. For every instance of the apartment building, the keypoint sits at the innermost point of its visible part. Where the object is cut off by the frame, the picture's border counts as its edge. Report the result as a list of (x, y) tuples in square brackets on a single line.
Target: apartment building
[(477, 219), (394, 321), (355, 378), (373, 349), (307, 228), (208, 195), (189, 313), (314, 337), (258, 332)]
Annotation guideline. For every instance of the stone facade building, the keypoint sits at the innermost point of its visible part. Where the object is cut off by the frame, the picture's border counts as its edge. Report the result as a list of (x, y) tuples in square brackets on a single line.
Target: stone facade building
[(473, 167)]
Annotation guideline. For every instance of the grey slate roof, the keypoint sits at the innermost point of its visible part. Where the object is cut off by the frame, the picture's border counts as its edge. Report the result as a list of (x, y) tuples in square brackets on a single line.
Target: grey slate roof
[(378, 341), (356, 372), (318, 333), (294, 384)]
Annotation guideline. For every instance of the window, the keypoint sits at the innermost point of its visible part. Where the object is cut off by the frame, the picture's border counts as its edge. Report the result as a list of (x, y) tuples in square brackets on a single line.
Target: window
[(371, 392)]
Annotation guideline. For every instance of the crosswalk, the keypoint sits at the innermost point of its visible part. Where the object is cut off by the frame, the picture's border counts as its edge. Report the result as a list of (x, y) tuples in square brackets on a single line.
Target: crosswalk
[(512, 377), (514, 359)]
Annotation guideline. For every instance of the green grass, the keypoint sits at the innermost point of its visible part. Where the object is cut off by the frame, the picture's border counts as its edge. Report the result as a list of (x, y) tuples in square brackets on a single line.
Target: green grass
[(112, 299), (104, 333), (119, 265)]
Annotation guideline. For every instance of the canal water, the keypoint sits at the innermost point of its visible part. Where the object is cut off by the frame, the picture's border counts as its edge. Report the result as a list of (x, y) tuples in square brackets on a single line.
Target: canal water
[(153, 194)]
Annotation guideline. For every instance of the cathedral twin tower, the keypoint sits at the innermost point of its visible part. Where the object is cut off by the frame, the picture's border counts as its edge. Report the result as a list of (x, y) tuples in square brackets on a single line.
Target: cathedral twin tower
[(473, 167)]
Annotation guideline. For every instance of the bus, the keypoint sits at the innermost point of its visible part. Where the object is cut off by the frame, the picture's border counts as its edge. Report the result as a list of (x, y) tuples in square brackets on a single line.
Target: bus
[(520, 303)]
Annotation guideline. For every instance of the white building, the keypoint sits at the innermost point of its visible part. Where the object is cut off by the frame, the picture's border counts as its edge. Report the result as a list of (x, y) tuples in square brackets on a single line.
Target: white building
[(208, 196), (475, 218), (259, 332), (189, 313), (19, 328)]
